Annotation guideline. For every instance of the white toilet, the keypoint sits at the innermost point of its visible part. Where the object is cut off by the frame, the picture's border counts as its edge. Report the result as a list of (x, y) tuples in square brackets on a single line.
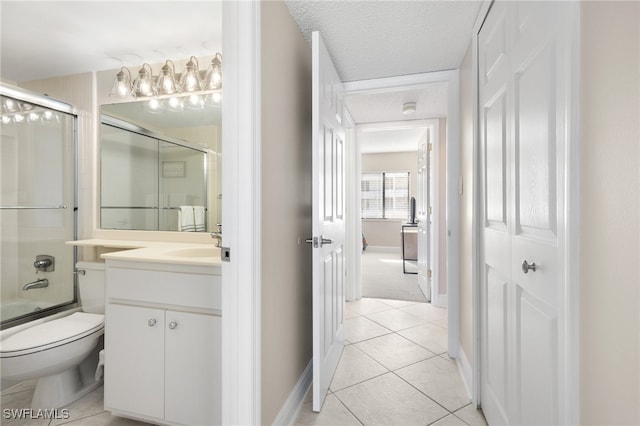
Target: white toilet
[(62, 353)]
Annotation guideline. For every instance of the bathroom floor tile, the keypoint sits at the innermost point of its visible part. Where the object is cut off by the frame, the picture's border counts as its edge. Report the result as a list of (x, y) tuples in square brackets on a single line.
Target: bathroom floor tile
[(20, 387), (88, 405), (394, 351), (17, 401), (395, 319), (106, 419), (361, 328), (389, 400), (333, 412), (440, 380), (354, 367), (429, 336)]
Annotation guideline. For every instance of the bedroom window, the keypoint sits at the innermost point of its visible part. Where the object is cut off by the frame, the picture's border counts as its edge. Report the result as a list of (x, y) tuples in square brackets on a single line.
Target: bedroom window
[(385, 195)]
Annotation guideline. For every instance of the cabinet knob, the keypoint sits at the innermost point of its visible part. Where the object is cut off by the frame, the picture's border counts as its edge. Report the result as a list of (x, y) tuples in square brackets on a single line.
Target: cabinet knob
[(172, 325), (151, 322)]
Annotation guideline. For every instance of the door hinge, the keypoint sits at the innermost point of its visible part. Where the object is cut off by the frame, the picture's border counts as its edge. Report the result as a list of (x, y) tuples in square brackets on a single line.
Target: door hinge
[(429, 274), (225, 254), (429, 210), (430, 147)]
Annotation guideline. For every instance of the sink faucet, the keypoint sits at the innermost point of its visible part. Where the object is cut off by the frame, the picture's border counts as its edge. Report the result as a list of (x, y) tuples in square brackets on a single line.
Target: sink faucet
[(218, 235), (43, 282)]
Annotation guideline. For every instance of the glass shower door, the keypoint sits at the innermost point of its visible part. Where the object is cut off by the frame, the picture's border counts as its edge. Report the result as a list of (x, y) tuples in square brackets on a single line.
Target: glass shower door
[(37, 203)]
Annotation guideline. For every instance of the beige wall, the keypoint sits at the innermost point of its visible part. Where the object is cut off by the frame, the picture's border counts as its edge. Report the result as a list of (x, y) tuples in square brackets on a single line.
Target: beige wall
[(380, 232), (466, 206), (286, 206), (609, 219)]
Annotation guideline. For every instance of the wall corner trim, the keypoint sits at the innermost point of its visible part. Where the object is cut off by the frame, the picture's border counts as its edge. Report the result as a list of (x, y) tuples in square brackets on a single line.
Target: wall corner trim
[(292, 406)]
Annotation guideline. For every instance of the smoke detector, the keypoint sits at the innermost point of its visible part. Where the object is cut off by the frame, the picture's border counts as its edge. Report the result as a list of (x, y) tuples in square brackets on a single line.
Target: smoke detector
[(409, 108)]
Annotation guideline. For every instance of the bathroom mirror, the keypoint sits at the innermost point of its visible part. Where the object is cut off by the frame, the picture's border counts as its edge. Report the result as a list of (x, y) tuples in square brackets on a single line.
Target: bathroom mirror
[(160, 168)]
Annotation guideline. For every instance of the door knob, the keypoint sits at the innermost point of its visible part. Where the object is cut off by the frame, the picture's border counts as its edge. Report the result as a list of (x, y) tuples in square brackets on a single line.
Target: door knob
[(318, 242), (526, 266), (172, 325), (151, 322), (324, 241)]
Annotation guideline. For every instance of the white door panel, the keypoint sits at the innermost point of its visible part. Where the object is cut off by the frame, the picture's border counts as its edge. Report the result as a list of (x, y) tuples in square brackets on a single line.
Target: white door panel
[(328, 220), (523, 51)]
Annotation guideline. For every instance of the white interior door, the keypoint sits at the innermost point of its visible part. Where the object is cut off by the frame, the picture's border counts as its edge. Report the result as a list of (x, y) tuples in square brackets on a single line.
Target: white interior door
[(423, 216), (328, 220), (524, 76)]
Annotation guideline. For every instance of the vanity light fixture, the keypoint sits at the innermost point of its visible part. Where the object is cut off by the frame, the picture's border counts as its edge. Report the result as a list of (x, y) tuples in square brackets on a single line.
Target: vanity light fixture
[(143, 85), (190, 80), (122, 85), (408, 108), (213, 78), (162, 89), (166, 84)]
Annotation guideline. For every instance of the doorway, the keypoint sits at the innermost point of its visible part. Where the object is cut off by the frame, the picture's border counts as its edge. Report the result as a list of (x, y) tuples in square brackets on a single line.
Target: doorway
[(398, 189)]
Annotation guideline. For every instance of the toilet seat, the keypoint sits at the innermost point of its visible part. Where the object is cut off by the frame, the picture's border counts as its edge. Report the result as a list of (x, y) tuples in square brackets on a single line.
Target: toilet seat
[(52, 334)]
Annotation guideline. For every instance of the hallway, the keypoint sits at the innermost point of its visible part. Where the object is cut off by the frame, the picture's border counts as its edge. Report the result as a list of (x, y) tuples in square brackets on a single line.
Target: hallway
[(394, 370)]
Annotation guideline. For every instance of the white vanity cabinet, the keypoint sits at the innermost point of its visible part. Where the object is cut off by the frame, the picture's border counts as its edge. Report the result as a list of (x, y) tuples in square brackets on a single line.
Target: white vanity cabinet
[(162, 342)]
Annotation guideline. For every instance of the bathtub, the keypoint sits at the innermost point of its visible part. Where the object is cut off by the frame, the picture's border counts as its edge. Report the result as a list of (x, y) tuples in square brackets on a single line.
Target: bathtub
[(18, 307)]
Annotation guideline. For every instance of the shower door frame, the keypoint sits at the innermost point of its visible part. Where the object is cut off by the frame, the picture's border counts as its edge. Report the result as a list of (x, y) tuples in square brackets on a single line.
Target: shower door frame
[(65, 108)]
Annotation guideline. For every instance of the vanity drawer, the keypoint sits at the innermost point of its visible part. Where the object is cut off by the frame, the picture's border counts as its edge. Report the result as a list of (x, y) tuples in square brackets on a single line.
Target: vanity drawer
[(170, 288)]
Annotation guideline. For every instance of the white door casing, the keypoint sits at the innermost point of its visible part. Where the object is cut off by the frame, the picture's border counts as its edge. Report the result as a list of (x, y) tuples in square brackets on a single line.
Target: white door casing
[(423, 216), (328, 219), (524, 53)]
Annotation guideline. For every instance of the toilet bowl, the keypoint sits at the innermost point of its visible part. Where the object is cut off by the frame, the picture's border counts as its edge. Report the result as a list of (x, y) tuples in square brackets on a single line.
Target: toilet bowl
[(61, 353)]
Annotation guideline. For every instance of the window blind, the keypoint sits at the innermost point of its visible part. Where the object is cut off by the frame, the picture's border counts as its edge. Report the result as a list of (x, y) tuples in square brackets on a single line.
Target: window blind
[(385, 195)]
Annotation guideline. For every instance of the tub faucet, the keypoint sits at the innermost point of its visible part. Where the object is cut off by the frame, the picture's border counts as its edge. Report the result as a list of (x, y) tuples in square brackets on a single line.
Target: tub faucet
[(42, 282)]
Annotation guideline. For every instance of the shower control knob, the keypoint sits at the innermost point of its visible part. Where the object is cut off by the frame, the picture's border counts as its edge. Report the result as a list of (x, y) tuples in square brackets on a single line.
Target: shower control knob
[(172, 325), (151, 322)]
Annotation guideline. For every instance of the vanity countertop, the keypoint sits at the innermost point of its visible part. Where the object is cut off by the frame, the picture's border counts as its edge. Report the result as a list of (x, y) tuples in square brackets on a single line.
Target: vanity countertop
[(156, 252)]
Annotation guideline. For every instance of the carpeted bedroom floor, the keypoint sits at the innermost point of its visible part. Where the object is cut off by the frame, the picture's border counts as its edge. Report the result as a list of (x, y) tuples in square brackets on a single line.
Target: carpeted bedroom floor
[(382, 276)]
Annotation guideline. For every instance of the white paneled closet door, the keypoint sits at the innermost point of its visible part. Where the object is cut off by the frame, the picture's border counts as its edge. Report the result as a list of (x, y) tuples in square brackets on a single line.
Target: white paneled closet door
[(524, 81)]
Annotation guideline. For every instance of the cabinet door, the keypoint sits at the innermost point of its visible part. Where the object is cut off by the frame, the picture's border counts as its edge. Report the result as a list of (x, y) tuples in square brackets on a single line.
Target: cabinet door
[(134, 364), (193, 365)]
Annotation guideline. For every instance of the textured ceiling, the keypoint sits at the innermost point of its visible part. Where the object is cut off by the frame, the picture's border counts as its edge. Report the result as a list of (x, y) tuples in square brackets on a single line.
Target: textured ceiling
[(42, 39), (374, 39)]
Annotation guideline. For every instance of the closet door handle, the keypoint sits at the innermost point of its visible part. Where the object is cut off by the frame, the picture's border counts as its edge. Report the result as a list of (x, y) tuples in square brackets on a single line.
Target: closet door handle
[(151, 322), (526, 266), (173, 325)]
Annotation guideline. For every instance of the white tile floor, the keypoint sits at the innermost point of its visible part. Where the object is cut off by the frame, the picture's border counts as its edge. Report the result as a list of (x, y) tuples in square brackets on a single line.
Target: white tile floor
[(87, 411), (394, 370)]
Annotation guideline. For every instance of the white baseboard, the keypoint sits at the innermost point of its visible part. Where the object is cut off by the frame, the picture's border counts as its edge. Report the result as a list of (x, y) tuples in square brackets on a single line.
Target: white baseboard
[(291, 407), (439, 300), (465, 370)]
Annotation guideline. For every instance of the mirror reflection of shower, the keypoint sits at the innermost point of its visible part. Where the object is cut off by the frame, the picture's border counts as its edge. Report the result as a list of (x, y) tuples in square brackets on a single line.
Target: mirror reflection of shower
[(37, 205)]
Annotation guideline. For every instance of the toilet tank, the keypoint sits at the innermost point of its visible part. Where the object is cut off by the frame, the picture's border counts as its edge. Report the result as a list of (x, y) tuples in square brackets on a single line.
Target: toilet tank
[(91, 286)]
